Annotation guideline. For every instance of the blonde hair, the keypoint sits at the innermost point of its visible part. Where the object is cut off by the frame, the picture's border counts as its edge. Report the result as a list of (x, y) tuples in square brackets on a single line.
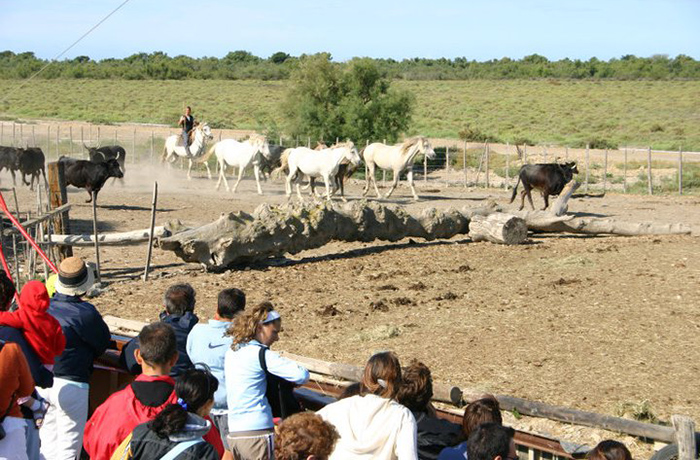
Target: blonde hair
[(245, 325)]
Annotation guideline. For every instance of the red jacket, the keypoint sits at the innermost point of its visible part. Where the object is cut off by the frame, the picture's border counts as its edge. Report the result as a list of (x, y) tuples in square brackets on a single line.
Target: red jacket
[(114, 419), (41, 330)]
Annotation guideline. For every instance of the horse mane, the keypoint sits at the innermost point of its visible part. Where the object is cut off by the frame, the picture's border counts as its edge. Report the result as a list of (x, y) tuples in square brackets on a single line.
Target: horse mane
[(410, 142), (347, 144)]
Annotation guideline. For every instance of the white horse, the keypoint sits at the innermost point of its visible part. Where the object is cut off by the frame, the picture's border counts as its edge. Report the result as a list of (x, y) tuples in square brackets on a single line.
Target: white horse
[(318, 163), (173, 149), (240, 155), (398, 158)]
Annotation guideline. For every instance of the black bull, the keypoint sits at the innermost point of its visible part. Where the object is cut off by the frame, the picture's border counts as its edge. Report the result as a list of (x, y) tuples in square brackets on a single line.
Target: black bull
[(88, 175), (549, 178)]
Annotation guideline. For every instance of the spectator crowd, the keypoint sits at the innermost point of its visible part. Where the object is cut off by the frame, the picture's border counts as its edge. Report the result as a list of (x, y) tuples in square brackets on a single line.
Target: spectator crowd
[(211, 390)]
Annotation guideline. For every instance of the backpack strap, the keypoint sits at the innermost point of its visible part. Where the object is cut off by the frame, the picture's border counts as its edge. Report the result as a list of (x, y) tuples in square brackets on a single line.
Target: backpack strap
[(179, 448), (261, 358)]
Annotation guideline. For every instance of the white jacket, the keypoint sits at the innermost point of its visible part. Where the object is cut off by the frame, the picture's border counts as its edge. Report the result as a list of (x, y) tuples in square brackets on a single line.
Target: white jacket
[(372, 427)]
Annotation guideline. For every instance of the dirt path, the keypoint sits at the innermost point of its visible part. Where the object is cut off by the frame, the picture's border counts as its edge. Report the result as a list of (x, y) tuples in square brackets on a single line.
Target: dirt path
[(595, 323)]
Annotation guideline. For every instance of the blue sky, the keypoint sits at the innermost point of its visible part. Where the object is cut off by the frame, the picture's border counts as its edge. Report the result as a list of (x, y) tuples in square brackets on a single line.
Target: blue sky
[(475, 29)]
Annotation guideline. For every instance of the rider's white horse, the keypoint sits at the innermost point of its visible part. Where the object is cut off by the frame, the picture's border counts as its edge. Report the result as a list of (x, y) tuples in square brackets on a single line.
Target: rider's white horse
[(240, 155), (397, 158), (173, 149), (319, 163)]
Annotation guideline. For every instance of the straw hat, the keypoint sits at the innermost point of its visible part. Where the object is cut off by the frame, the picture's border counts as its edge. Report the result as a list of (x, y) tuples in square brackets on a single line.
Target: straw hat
[(74, 277)]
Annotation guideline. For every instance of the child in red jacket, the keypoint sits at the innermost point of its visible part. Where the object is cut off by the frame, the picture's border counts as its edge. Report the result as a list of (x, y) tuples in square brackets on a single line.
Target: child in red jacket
[(40, 329)]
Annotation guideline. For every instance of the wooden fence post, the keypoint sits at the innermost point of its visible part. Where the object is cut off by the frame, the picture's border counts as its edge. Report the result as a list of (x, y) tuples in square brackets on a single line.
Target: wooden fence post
[(82, 143), (34, 144), (150, 235), (605, 172), (649, 181), (58, 197), (680, 171), (58, 141), (98, 136), (464, 163), (21, 134), (425, 169), (70, 132), (624, 177), (506, 184), (685, 437), (116, 136), (48, 139), (587, 167), (97, 240), (447, 166), (14, 141), (488, 154)]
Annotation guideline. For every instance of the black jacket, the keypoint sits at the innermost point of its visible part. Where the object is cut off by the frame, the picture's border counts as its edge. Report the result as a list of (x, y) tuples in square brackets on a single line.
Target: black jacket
[(87, 336), (435, 434), (42, 377), (182, 326), (145, 444)]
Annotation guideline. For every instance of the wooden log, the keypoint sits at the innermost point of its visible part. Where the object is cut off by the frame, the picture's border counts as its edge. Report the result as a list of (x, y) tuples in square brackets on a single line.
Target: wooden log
[(498, 228), (564, 414), (126, 327), (540, 221), (685, 437), (114, 239), (561, 205)]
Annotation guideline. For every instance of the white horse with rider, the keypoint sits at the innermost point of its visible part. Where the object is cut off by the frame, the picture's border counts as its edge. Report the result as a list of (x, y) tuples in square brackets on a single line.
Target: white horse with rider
[(240, 155), (317, 163), (397, 158), (173, 148)]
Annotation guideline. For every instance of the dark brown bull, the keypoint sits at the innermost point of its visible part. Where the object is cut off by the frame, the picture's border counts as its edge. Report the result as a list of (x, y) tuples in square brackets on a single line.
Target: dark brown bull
[(31, 161), (548, 178)]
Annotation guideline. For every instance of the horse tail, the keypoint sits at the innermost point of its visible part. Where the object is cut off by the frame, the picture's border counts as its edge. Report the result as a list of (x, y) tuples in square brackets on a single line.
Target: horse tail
[(205, 157), (284, 165)]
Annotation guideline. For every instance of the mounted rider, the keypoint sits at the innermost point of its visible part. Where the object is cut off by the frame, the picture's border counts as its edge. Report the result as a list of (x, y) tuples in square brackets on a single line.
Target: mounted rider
[(187, 122)]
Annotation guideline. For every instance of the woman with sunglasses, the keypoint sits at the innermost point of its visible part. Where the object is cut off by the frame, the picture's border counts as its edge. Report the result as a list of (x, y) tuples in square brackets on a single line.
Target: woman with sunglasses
[(250, 421), (178, 431)]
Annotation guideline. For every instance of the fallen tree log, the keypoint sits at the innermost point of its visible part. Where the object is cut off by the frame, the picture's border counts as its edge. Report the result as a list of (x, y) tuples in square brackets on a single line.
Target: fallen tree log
[(498, 228), (115, 239), (239, 239)]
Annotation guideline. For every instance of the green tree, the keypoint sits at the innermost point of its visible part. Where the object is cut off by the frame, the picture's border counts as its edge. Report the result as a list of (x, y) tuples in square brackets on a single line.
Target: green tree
[(355, 101)]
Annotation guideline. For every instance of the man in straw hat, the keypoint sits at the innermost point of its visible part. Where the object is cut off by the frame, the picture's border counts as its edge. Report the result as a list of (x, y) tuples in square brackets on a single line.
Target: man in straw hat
[(87, 337)]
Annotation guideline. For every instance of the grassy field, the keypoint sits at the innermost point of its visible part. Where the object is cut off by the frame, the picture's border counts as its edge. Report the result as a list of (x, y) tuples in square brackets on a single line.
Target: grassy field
[(664, 115)]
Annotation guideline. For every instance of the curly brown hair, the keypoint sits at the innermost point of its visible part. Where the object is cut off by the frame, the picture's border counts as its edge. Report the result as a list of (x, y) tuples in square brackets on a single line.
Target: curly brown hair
[(484, 410), (609, 450), (383, 366), (304, 434), (245, 325), (417, 387)]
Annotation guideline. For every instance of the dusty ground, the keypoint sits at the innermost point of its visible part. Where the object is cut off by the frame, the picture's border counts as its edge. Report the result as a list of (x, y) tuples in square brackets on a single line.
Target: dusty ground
[(594, 323)]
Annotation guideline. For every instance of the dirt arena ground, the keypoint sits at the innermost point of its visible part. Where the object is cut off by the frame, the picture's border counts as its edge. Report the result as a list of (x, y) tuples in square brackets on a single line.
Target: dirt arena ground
[(594, 323)]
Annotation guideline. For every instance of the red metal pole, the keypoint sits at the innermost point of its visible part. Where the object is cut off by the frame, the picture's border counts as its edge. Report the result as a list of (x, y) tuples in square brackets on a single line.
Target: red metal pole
[(24, 233)]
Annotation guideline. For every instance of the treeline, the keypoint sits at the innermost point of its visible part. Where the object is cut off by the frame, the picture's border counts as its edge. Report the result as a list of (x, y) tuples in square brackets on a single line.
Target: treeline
[(238, 65)]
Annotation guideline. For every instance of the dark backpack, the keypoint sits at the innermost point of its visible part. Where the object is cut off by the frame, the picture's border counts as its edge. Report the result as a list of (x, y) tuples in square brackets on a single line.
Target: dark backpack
[(279, 393)]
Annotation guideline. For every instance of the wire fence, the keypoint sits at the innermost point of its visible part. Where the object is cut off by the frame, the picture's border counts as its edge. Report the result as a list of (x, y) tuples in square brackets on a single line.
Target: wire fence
[(456, 163)]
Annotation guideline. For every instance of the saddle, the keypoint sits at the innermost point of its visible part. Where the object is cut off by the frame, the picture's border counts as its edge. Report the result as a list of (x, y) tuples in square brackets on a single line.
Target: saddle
[(189, 140)]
